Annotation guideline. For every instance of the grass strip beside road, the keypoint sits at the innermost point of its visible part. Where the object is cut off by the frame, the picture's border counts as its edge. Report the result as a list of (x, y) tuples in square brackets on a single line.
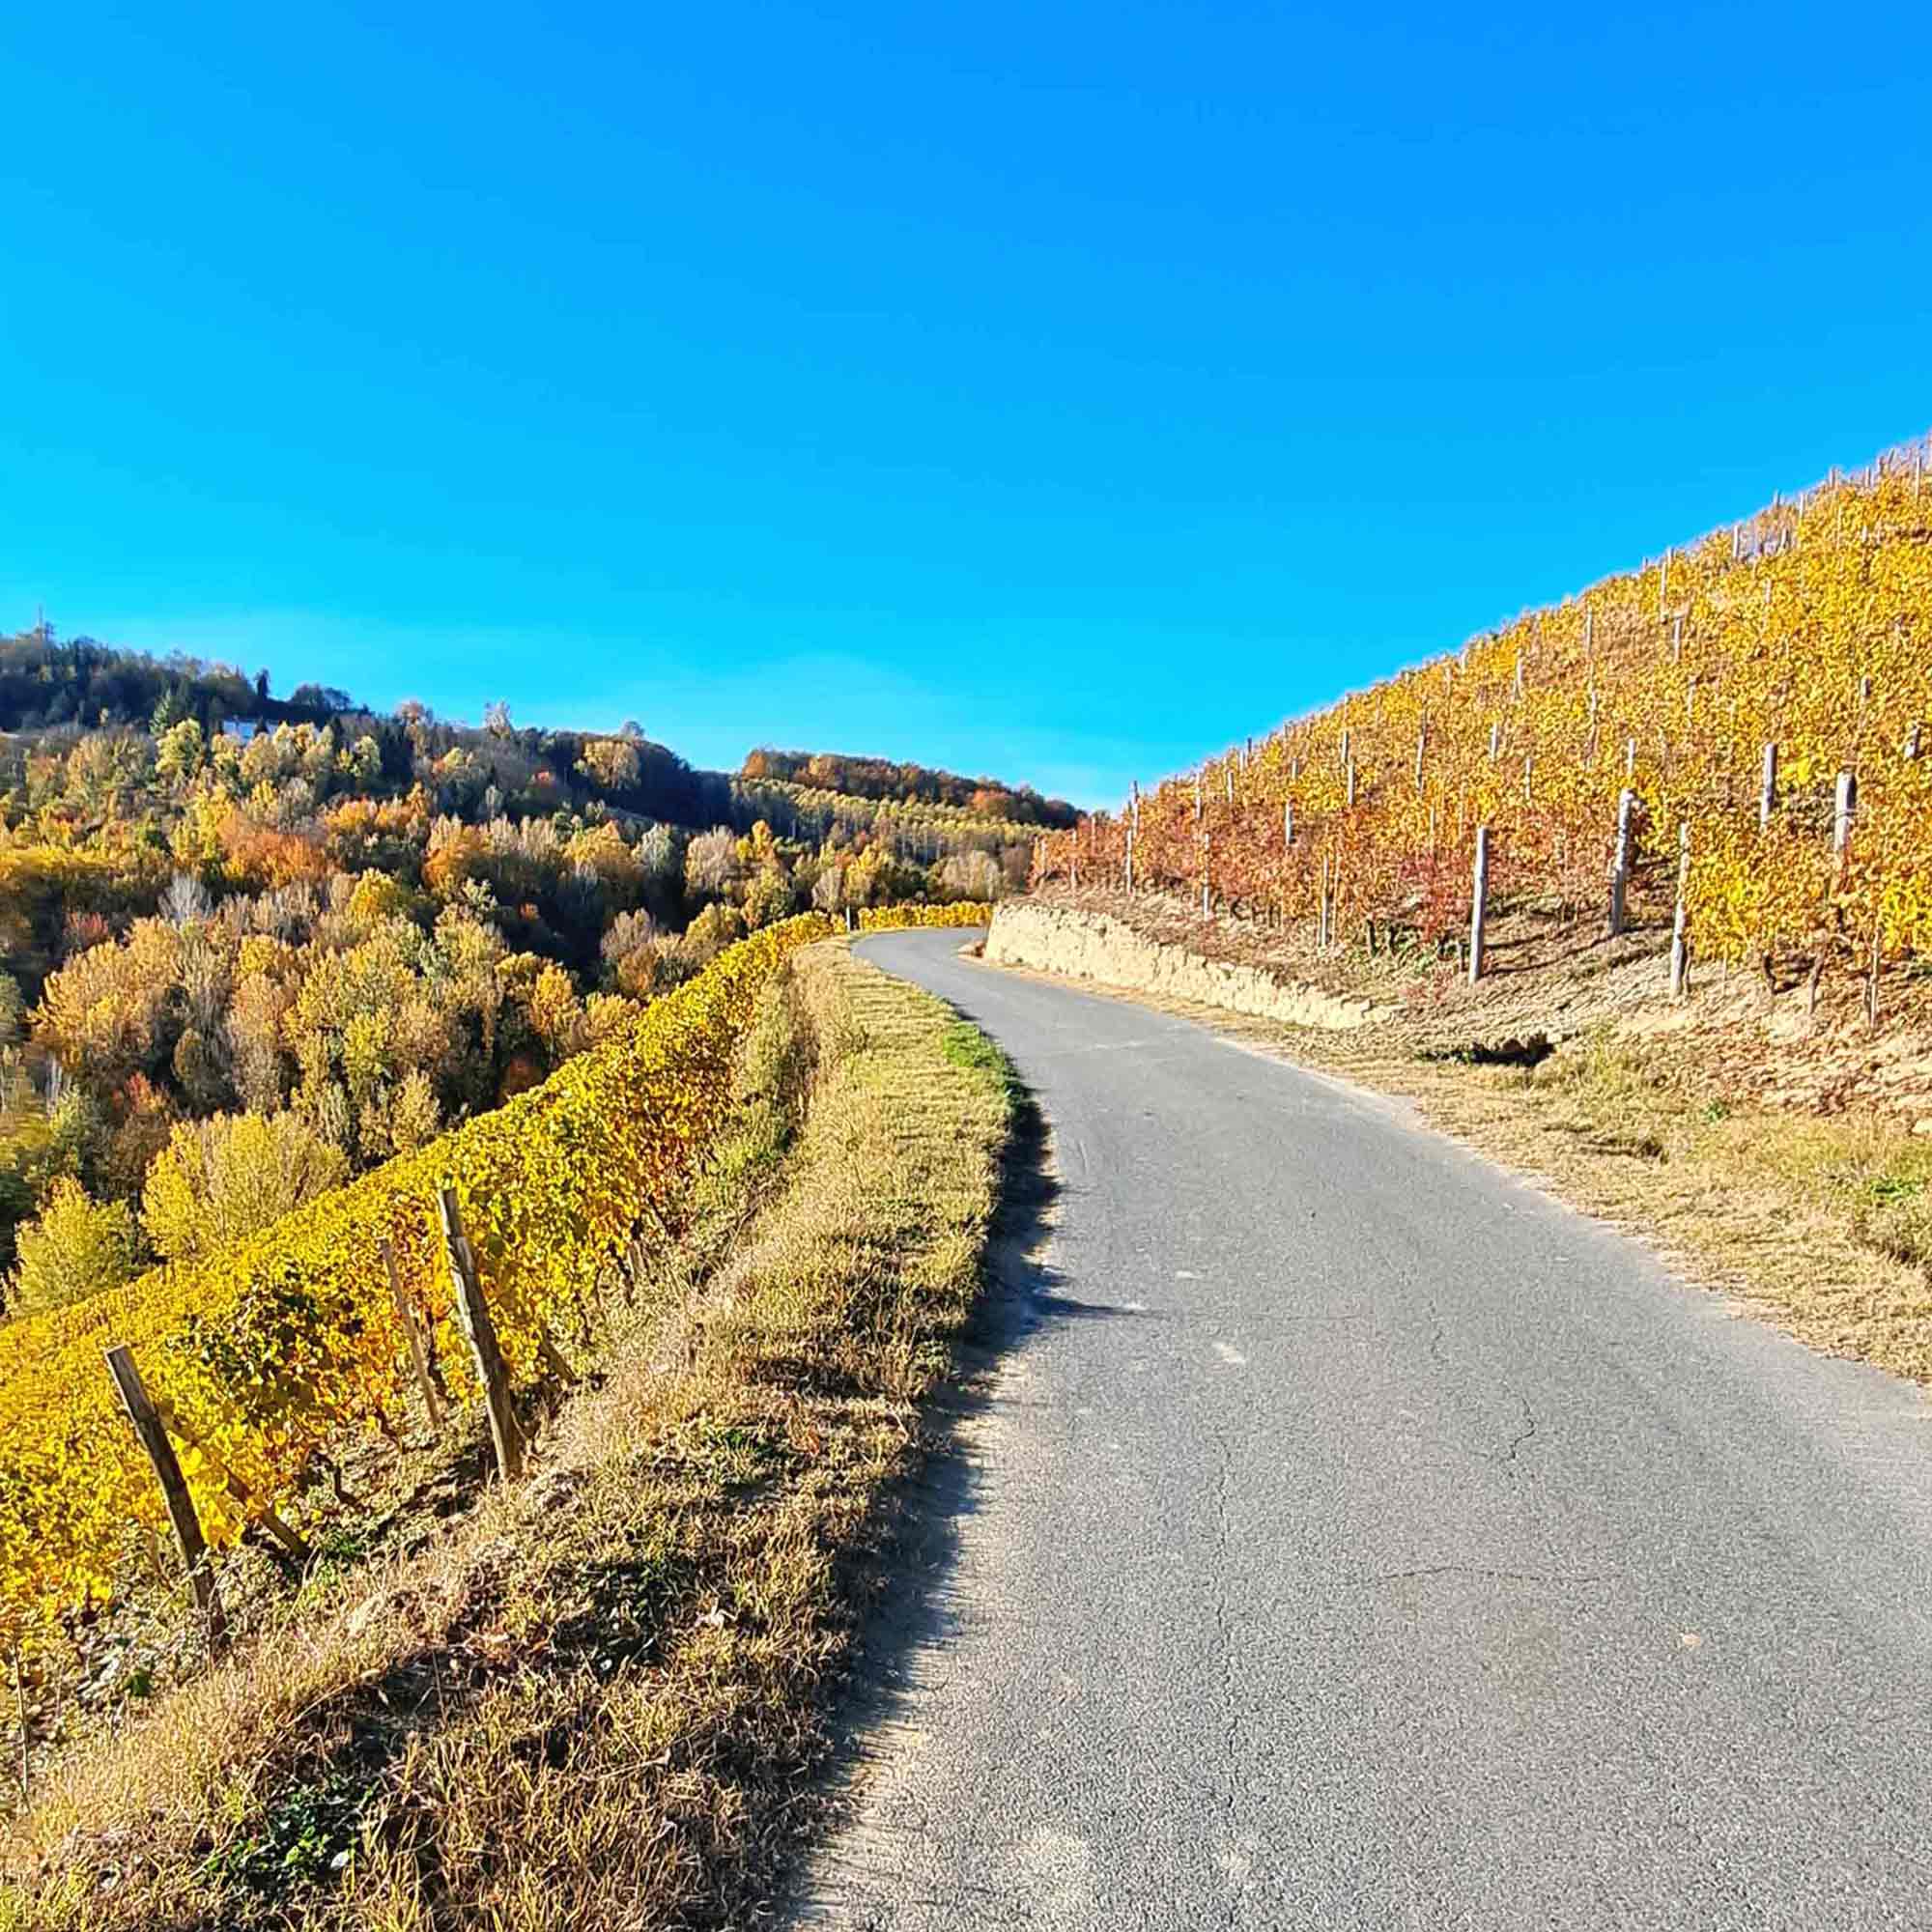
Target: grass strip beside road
[(601, 1698)]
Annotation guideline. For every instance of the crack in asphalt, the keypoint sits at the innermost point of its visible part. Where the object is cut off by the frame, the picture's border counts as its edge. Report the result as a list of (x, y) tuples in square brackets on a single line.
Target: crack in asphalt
[(1522, 1435), (1474, 1569)]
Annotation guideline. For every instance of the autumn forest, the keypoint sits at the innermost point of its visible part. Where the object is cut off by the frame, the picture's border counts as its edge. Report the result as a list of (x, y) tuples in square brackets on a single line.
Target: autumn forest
[(256, 945)]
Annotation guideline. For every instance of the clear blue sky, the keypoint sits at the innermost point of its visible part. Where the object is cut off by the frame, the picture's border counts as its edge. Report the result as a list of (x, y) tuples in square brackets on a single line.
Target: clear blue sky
[(1059, 391)]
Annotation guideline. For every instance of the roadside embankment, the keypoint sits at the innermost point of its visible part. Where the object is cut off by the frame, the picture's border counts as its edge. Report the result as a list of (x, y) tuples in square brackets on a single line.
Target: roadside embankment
[(1094, 945)]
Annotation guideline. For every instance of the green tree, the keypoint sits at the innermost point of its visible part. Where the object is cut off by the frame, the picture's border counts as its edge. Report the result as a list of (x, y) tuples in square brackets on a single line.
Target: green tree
[(76, 1248), (218, 1181)]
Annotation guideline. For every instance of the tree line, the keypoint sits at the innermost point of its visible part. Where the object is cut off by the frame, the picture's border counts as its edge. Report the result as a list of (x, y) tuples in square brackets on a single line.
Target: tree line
[(251, 946)]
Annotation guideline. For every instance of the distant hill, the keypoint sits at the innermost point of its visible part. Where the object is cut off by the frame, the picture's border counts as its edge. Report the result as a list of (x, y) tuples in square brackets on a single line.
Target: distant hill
[(881, 779)]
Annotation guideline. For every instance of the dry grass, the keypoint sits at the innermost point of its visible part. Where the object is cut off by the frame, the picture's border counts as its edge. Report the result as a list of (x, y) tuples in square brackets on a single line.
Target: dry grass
[(598, 1701)]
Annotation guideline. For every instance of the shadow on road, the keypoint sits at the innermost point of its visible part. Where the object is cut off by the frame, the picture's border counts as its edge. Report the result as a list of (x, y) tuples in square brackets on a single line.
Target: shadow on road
[(903, 1586)]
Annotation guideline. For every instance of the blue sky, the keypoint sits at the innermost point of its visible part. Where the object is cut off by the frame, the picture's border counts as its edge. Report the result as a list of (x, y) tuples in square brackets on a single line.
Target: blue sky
[(1056, 391)]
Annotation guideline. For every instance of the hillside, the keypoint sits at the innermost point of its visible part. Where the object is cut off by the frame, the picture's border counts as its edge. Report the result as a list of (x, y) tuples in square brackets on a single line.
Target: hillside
[(251, 946), (1760, 694), (721, 1259)]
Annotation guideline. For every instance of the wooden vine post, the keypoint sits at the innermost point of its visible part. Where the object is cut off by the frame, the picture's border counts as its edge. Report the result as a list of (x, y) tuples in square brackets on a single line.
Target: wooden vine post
[(1767, 791), (408, 1318), (152, 1437), (1871, 974), (1207, 841), (1680, 946), (480, 1331), (26, 1726), (1131, 858), (1479, 903), (1620, 864), (1845, 809)]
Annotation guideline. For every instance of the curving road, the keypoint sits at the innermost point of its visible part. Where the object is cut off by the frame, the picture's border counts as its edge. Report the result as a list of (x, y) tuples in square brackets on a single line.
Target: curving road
[(1352, 1537)]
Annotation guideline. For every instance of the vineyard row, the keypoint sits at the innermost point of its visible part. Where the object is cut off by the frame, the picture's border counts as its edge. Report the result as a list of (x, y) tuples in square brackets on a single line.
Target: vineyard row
[(326, 1326), (1761, 697)]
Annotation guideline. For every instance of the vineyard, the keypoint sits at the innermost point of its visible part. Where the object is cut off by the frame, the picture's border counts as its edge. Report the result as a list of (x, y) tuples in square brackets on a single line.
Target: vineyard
[(1728, 738), (326, 1327)]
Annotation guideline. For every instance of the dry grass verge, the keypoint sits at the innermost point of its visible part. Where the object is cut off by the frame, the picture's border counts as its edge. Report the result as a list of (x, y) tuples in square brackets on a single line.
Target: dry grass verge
[(596, 1703)]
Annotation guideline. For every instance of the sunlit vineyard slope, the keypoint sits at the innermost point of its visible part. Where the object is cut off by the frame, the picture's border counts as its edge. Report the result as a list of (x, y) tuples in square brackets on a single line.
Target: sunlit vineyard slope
[(267, 1354), (1763, 695)]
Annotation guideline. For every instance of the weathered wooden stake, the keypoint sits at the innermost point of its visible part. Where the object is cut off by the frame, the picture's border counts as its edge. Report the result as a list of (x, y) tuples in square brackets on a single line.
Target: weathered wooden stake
[(1621, 863), (154, 1439), (1350, 775), (1287, 822), (410, 1320), (1479, 903), (1130, 857), (1207, 909), (293, 1544), (1528, 777), (1496, 740), (1871, 978), (1845, 810), (551, 1356), (1677, 639), (480, 1331), (1911, 743), (1767, 791), (26, 1727), (1421, 745), (1680, 946)]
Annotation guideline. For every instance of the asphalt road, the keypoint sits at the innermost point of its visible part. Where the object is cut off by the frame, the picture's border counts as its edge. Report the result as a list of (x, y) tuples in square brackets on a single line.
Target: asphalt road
[(1353, 1537)]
